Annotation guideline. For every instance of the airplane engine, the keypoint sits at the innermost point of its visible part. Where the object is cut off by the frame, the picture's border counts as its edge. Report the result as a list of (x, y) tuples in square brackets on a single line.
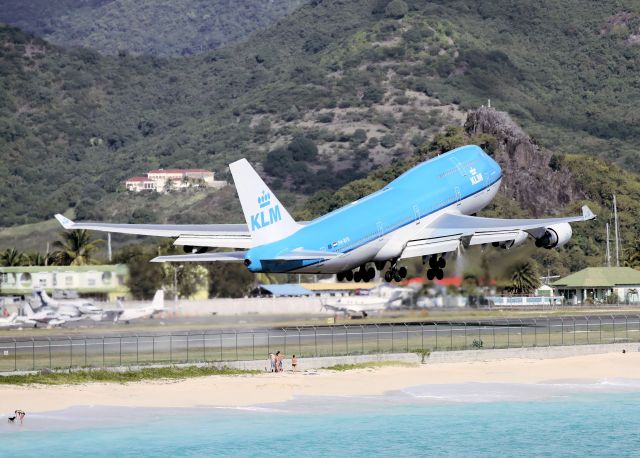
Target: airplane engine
[(517, 241), (555, 236)]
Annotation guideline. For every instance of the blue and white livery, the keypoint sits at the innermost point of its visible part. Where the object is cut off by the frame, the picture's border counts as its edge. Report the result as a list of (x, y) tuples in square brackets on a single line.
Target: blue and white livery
[(422, 213)]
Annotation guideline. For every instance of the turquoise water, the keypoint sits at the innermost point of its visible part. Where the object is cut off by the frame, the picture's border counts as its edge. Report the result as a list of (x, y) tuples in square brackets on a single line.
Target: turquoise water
[(404, 424)]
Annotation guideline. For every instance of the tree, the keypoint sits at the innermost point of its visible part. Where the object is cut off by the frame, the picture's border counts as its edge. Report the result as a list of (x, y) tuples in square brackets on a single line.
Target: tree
[(229, 280), (75, 249), (525, 278), (632, 255), (396, 9), (12, 257), (39, 259), (145, 277)]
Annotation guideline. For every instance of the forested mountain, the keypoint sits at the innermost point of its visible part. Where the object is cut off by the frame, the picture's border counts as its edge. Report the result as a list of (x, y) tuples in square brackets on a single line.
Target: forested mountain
[(150, 27), (338, 90)]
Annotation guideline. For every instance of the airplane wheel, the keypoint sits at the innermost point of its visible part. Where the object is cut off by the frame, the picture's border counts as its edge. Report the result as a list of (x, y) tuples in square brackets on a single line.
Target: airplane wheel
[(403, 272), (380, 265), (433, 262), (371, 273), (439, 274), (340, 276), (430, 274), (442, 262), (356, 276), (348, 275), (388, 277), (397, 277)]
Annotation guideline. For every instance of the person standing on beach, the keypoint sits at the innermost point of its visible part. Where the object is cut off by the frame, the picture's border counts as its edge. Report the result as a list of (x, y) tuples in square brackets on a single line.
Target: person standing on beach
[(272, 361), (294, 362)]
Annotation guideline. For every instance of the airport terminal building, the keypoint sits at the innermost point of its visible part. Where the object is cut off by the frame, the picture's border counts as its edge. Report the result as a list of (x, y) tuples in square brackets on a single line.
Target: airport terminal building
[(106, 282)]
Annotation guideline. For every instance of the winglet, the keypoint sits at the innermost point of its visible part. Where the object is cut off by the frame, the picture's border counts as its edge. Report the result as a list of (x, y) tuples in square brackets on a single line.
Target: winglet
[(66, 222), (587, 213)]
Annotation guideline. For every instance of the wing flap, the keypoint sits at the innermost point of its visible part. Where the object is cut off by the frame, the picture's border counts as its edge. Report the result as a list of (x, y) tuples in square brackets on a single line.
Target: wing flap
[(427, 247), (231, 256)]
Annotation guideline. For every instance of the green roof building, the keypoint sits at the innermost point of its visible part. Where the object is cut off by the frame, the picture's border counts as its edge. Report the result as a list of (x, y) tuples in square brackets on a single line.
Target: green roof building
[(600, 285), (106, 282)]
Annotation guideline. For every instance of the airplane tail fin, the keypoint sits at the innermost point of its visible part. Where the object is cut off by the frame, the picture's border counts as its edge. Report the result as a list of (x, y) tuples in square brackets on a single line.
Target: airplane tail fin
[(28, 310), (267, 219), (158, 301)]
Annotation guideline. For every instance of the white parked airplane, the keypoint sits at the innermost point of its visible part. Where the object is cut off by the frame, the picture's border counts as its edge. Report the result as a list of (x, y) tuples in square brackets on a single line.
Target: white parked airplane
[(423, 213), (148, 311), (72, 308), (6, 322), (46, 317)]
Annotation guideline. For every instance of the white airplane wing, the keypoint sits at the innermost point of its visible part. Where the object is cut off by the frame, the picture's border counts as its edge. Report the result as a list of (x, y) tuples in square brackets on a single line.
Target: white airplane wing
[(238, 256), (444, 234), (209, 235)]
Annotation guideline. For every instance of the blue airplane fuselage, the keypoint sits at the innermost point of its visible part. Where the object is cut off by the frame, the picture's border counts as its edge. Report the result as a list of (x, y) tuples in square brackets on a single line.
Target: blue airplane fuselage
[(463, 180)]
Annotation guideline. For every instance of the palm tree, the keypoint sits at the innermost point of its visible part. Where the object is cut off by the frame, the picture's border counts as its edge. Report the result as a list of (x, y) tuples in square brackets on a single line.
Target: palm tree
[(75, 249), (39, 259), (632, 255), (524, 278), (12, 257)]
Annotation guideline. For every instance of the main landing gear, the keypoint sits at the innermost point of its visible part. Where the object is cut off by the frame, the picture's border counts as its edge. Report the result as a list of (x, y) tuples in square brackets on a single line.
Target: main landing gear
[(436, 267), (365, 274)]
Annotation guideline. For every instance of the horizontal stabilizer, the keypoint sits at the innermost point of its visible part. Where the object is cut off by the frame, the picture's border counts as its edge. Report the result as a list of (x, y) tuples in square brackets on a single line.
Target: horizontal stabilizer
[(231, 256)]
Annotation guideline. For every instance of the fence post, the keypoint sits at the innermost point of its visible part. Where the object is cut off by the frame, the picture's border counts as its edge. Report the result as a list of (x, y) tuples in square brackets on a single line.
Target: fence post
[(465, 335), (315, 341), (137, 349), (362, 339), (85, 351), (574, 330), (33, 353), (613, 325), (187, 346), (346, 337), (70, 353), (50, 353), (285, 340), (521, 334), (406, 329), (170, 349), (587, 318), (626, 327), (480, 334), (451, 332), (493, 328), (153, 349), (204, 348), (103, 352), (15, 355), (549, 329), (220, 346), (377, 338), (120, 350), (508, 334), (268, 343), (299, 342), (436, 325), (236, 331), (422, 336), (331, 340), (253, 345), (600, 320), (392, 346)]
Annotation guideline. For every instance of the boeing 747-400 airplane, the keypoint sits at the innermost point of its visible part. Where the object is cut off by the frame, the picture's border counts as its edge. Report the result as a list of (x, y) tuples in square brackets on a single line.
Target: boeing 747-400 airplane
[(422, 213)]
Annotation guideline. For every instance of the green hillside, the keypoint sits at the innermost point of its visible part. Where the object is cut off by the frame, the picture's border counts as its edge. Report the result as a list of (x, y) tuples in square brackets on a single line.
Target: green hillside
[(333, 92), (159, 28)]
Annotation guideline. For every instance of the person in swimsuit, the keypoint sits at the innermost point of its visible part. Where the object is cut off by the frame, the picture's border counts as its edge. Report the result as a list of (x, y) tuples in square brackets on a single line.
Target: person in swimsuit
[(294, 362)]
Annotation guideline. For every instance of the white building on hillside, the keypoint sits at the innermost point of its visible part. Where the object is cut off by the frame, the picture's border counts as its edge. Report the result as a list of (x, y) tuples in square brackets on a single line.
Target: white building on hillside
[(162, 180)]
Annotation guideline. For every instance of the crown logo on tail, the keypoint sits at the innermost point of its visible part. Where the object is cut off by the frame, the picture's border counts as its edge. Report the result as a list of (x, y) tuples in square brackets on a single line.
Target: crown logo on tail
[(264, 200)]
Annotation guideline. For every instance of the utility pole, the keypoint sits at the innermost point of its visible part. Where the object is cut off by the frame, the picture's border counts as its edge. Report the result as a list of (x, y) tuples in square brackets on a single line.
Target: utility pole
[(109, 246), (608, 250), (615, 217)]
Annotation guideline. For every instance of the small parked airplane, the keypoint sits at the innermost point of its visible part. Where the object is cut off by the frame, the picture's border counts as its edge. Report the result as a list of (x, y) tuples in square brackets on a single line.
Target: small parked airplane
[(425, 213), (72, 308), (148, 311), (45, 316)]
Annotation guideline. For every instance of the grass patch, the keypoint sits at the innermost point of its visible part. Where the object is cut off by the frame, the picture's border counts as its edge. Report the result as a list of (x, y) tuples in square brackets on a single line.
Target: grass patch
[(66, 378), (372, 364)]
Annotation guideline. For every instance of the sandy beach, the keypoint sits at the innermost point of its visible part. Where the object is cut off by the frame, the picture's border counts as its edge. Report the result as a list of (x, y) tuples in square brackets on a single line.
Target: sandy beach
[(247, 390)]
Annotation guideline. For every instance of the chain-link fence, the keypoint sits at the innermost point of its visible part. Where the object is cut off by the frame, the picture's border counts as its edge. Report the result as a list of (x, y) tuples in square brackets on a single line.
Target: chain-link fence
[(312, 341)]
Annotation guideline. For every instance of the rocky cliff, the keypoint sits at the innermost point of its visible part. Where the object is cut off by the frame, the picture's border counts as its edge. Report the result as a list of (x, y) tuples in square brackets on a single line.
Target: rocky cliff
[(532, 175)]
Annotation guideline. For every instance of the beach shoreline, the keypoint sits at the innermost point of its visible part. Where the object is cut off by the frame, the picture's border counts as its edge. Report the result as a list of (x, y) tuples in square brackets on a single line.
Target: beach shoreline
[(268, 388)]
